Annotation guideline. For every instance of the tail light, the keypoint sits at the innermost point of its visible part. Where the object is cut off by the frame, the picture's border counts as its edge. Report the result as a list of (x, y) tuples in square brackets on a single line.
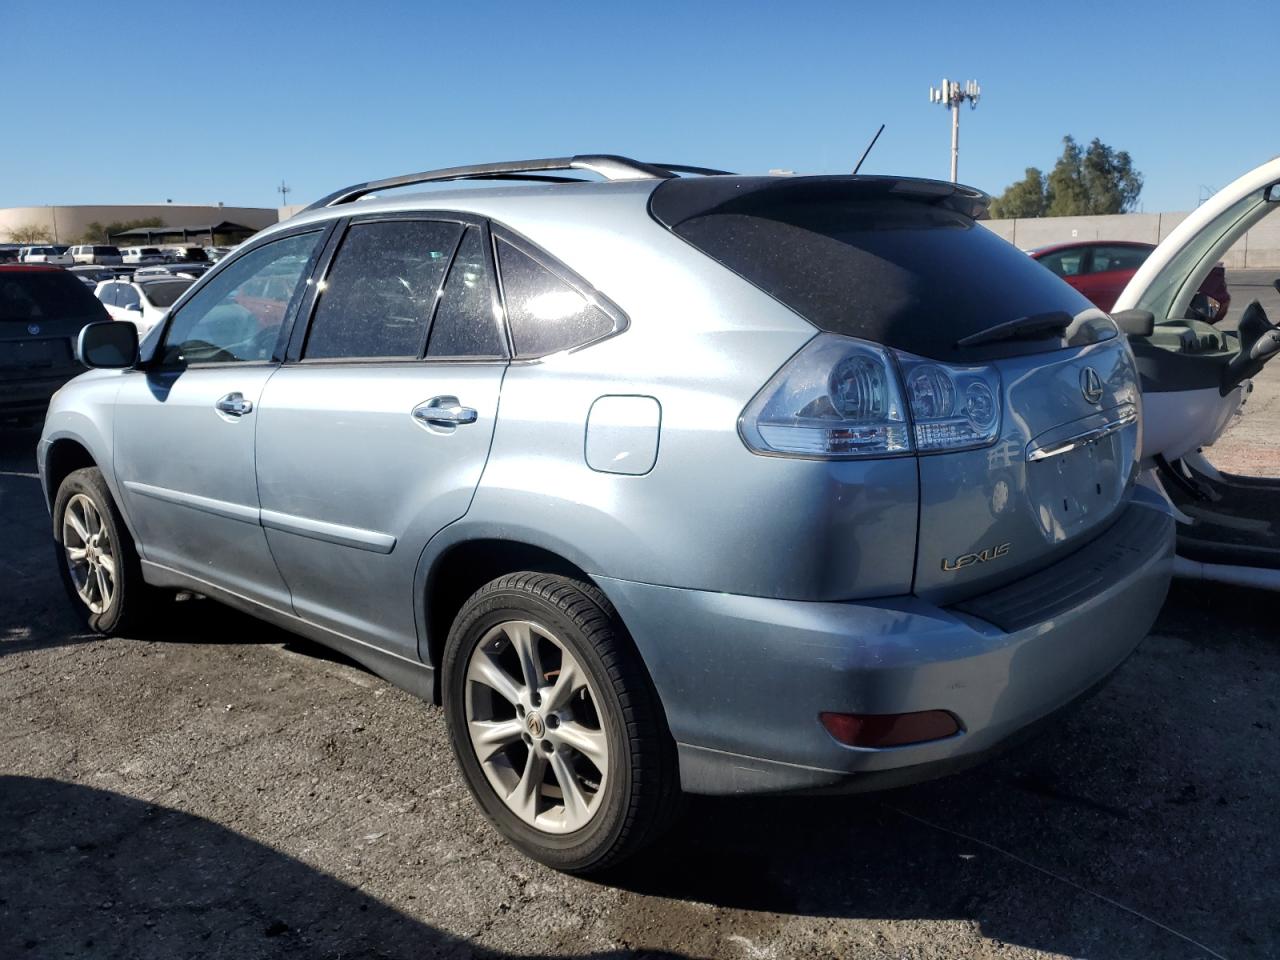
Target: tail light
[(840, 398)]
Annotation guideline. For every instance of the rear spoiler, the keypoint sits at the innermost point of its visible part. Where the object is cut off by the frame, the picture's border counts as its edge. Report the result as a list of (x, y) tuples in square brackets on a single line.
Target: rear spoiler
[(679, 199)]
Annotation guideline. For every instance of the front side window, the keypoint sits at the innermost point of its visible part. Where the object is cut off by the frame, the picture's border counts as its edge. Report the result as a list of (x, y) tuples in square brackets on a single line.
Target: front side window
[(547, 314), (466, 324), (1065, 263), (237, 315), (379, 295), (1118, 258)]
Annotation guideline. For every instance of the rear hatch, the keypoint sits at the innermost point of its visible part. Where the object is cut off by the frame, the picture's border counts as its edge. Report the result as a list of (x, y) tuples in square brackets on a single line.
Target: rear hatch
[(903, 264), (42, 310)]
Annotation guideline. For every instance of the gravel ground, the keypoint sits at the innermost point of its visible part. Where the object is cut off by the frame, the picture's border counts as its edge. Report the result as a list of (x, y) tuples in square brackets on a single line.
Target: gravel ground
[(222, 789)]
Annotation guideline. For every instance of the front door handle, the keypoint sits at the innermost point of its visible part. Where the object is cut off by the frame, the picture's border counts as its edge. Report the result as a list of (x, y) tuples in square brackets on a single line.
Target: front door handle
[(444, 412), (233, 405)]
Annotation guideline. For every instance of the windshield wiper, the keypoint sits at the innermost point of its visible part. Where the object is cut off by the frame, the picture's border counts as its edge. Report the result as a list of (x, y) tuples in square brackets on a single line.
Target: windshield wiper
[(1024, 328)]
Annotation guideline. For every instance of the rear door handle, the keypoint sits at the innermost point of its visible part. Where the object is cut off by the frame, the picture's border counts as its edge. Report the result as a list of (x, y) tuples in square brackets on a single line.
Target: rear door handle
[(444, 412), (233, 405)]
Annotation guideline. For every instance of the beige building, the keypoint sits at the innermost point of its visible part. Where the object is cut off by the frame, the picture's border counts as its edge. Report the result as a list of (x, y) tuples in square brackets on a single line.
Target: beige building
[(68, 224)]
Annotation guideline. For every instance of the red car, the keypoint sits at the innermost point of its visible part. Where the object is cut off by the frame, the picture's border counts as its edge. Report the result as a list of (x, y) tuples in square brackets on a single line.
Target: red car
[(1100, 269)]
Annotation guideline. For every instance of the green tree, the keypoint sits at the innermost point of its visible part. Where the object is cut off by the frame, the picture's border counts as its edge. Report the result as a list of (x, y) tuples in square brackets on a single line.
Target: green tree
[(1093, 180), (96, 232), (1026, 198), (30, 233)]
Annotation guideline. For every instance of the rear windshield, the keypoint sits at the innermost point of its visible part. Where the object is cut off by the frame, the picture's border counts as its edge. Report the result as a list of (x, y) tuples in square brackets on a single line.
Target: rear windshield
[(165, 292), (46, 296), (895, 271)]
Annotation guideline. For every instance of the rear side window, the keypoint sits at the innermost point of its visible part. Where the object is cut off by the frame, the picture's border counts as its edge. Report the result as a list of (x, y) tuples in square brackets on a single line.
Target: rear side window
[(40, 295), (546, 313), (466, 324), (902, 272), (381, 290), (126, 296)]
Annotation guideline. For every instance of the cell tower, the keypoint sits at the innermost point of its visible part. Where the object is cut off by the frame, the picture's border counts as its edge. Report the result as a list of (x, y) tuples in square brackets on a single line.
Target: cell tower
[(952, 95)]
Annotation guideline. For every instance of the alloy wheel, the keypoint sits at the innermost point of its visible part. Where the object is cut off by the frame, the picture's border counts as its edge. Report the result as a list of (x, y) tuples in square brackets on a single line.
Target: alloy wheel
[(90, 553), (535, 726)]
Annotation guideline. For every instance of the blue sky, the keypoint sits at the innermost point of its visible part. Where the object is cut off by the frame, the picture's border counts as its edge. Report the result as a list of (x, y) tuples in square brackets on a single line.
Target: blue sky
[(200, 102)]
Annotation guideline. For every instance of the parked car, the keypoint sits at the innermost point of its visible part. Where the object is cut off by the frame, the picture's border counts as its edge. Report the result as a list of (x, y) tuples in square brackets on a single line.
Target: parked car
[(9, 252), (186, 255), (53, 255), (1101, 269), (217, 253), (797, 483), (191, 271), (97, 253), (142, 301), (138, 256), (42, 310)]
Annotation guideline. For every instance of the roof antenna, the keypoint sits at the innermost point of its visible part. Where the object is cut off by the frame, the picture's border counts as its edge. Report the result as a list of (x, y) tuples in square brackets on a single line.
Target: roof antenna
[(868, 150)]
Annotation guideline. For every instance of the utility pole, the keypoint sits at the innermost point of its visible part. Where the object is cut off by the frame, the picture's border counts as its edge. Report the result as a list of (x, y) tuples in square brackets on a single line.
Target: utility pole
[(283, 190), (952, 95)]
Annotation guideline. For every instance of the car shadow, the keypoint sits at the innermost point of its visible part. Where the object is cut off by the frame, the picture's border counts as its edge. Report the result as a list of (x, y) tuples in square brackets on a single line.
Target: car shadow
[(87, 872)]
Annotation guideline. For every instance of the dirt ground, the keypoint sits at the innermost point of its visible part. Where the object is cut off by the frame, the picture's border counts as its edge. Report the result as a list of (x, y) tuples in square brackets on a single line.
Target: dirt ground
[(222, 789)]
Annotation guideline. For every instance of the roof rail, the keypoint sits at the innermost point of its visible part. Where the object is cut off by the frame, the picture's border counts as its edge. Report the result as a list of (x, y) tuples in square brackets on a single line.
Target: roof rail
[(606, 165)]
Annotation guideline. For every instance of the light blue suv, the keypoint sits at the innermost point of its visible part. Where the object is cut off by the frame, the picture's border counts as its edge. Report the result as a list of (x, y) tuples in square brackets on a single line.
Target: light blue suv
[(674, 481)]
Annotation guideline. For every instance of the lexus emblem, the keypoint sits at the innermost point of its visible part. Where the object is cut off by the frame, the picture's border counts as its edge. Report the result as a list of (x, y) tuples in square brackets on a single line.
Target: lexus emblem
[(1090, 385), (33, 328)]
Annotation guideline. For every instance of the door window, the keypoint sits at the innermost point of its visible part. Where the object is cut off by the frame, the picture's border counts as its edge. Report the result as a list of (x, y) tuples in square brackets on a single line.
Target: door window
[(237, 315), (547, 314), (466, 324), (108, 294), (126, 296), (1065, 263), (1118, 258), (380, 293)]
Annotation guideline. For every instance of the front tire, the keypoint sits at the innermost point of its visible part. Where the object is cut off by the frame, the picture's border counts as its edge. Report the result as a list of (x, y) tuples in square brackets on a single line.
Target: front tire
[(555, 723), (96, 555)]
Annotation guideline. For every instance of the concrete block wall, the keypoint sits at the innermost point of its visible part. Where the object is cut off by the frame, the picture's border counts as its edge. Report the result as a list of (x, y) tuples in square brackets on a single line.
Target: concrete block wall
[(1259, 249)]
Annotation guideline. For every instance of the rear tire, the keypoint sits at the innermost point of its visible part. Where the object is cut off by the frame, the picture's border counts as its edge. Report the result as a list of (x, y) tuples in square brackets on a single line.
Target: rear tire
[(96, 555), (576, 768)]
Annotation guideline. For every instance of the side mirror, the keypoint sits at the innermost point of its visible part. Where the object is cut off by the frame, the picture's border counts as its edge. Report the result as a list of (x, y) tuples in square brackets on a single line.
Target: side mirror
[(109, 344), (1135, 323), (135, 307), (1202, 309)]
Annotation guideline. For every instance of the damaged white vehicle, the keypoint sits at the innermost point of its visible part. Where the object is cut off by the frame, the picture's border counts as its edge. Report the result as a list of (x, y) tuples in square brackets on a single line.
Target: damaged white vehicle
[(1196, 379)]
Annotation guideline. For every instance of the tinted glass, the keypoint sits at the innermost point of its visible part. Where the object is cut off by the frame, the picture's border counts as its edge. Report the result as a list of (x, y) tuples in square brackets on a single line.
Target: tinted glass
[(107, 251), (1065, 263), (237, 315), (126, 295), (381, 290), (166, 292), (1118, 258), (546, 314), (465, 324), (40, 295), (901, 272), (107, 293)]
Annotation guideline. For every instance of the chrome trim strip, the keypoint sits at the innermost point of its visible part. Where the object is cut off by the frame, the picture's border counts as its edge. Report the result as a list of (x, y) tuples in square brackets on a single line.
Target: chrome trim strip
[(1036, 453), (370, 540), (219, 508)]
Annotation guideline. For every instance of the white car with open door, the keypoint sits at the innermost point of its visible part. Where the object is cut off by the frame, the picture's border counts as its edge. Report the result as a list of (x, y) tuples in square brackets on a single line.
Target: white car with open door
[(1195, 379)]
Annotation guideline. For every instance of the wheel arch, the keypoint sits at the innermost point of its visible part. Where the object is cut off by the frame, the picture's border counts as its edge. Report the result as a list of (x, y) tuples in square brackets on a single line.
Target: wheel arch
[(64, 456), (459, 568)]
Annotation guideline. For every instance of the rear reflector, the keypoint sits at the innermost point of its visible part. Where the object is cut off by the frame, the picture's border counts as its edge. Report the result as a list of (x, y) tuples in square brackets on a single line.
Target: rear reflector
[(889, 729)]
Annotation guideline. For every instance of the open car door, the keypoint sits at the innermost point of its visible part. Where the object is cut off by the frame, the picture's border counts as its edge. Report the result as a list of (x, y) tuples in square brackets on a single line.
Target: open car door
[(1195, 378)]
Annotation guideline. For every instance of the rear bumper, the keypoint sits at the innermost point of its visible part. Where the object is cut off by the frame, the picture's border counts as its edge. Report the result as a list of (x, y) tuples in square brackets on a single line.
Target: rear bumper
[(31, 397), (743, 679)]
